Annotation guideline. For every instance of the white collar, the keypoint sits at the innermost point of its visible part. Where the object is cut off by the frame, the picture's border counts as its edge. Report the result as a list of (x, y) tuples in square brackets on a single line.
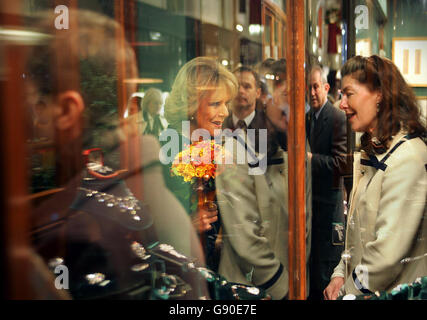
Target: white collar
[(247, 120)]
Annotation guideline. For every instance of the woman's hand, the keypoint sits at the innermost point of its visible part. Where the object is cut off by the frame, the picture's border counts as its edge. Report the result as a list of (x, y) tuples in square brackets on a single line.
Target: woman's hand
[(203, 218), (333, 288)]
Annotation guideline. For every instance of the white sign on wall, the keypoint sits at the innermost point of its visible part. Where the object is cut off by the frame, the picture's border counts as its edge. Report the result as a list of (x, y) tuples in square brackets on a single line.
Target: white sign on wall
[(410, 56)]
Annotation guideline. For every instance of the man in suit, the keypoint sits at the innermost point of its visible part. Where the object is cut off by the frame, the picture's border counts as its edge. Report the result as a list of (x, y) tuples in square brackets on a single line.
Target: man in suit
[(248, 112), (244, 104), (326, 133), (253, 207)]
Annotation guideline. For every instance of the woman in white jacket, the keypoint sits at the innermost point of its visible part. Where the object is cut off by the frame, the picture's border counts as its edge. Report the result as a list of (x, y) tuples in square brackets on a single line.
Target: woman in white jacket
[(386, 239)]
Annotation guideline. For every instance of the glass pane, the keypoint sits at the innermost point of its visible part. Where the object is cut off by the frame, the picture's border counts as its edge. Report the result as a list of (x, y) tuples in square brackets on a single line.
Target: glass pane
[(276, 31), (327, 138), (140, 183), (267, 30), (349, 217), (157, 147)]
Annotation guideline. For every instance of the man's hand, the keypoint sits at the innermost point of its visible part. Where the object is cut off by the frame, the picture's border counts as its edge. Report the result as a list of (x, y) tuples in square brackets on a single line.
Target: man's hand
[(333, 288)]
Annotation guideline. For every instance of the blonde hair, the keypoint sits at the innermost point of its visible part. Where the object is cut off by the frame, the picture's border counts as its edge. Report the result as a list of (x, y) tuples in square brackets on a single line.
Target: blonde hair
[(152, 94), (196, 80)]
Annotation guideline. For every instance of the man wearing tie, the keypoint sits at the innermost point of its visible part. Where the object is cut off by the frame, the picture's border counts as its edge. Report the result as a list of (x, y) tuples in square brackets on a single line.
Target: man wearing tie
[(248, 113), (326, 133)]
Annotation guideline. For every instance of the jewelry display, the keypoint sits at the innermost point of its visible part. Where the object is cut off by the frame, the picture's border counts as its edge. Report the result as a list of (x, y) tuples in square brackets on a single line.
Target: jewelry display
[(416, 290), (129, 204), (240, 290), (95, 278), (161, 270), (171, 250), (253, 290), (99, 179), (168, 253), (169, 286), (221, 289), (139, 250), (166, 284), (207, 274), (140, 267)]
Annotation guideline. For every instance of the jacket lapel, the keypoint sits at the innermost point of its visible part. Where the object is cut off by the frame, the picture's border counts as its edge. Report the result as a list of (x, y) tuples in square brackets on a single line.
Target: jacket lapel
[(258, 122), (321, 123), (310, 128)]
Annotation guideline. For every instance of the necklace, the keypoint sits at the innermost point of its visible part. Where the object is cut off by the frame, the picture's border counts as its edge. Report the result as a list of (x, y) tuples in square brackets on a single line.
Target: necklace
[(128, 204)]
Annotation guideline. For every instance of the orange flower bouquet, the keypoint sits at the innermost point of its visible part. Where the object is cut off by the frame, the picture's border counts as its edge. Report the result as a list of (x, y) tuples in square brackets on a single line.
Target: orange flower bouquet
[(199, 161), (198, 165)]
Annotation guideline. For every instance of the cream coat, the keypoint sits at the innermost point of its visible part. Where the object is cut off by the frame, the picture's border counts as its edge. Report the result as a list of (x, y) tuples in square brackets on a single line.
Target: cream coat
[(254, 214), (386, 240)]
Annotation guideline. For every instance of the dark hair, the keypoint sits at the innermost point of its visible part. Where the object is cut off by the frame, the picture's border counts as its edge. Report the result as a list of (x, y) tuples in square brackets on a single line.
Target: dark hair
[(279, 71), (264, 88), (398, 108), (267, 63), (254, 73)]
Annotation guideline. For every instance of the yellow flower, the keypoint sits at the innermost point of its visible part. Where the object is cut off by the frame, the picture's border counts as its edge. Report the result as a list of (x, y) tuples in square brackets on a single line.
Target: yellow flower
[(198, 160), (200, 171)]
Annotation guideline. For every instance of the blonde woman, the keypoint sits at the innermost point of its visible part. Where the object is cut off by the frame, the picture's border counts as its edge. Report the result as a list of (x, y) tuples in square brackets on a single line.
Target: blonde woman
[(154, 123), (199, 99)]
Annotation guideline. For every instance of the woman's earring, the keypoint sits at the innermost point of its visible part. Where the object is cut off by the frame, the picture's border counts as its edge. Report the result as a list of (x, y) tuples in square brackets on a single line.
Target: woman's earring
[(378, 107)]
